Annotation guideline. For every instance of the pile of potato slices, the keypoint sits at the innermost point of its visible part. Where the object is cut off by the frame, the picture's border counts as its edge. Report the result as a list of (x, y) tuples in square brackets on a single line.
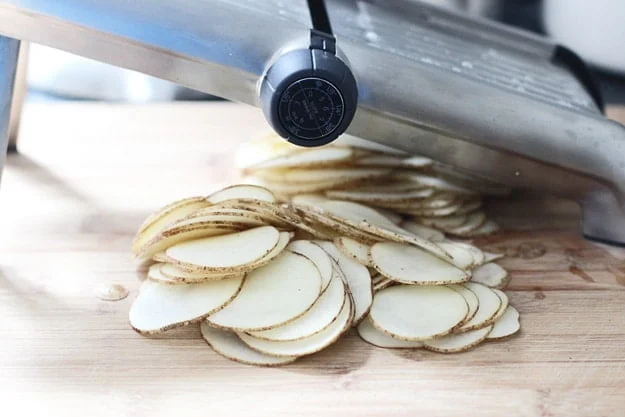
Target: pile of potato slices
[(390, 180), (270, 281)]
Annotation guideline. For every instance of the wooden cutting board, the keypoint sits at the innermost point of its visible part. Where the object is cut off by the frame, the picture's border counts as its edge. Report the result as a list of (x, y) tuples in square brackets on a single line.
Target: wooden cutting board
[(87, 176)]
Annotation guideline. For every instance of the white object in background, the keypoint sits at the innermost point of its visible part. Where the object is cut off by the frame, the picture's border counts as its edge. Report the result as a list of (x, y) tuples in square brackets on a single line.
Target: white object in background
[(593, 29), (68, 75)]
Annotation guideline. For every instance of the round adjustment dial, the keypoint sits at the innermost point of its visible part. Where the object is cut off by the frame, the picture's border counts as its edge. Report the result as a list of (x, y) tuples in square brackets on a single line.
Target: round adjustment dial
[(311, 108)]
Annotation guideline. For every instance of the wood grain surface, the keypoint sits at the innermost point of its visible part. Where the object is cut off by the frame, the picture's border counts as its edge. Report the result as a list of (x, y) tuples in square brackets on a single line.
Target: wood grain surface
[(86, 177)]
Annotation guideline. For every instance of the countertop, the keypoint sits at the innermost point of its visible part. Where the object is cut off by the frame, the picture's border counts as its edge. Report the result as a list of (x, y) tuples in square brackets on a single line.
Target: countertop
[(86, 177)]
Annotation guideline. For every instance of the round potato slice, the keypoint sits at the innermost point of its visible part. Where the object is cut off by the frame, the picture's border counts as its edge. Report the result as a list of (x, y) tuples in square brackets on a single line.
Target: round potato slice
[(172, 274), (160, 307), (504, 304), (491, 275), (227, 253), (473, 222), (171, 213), (273, 295), (489, 303), (458, 342), (373, 336), (478, 255), (307, 158), (411, 265), (356, 250), (492, 257), (423, 231), (507, 325), (253, 192), (321, 315), (461, 256), (358, 143), (228, 345), (385, 283), (318, 256), (356, 276), (488, 228), (444, 222), (469, 296), (308, 345), (155, 273), (413, 312)]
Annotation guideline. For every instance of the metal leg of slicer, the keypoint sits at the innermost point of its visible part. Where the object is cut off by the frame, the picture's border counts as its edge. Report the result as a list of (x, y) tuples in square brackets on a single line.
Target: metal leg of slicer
[(19, 94), (9, 50)]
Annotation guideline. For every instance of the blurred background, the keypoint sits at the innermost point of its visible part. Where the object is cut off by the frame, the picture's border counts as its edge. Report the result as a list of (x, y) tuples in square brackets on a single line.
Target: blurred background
[(595, 30)]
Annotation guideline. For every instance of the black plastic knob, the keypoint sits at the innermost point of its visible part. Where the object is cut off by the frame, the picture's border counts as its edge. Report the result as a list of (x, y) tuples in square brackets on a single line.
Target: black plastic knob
[(309, 96)]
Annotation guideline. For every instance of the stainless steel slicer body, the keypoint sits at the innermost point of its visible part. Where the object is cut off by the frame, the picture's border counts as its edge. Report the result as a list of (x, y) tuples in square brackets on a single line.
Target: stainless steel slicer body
[(494, 102)]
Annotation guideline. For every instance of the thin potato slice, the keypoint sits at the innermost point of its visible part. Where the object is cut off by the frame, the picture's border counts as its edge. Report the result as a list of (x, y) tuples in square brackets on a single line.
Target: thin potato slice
[(469, 206), (507, 325), (423, 231), (492, 257), (415, 162), (357, 278), (367, 145), (462, 257), (444, 222), (372, 222), (469, 296), (458, 342), (308, 199), (373, 336), (308, 158), (325, 310), (272, 295), (436, 182), (489, 303), (308, 345), (504, 304), (314, 176), (413, 312), (391, 215), (411, 265), (339, 228), (488, 228), (356, 250), (225, 253), (157, 221), (384, 283), (478, 255), (381, 197), (172, 274), (228, 345), (491, 275), (155, 273), (253, 192), (160, 307), (264, 148), (318, 256), (219, 220), (473, 222)]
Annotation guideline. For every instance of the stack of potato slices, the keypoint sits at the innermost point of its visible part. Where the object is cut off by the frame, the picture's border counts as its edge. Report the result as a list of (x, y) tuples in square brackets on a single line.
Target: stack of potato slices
[(270, 282), (351, 169)]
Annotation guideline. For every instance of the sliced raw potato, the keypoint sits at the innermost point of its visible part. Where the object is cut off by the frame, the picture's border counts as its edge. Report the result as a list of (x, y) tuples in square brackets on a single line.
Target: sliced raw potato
[(261, 149), (356, 250), (171, 273), (375, 337), (413, 312), (491, 275), (411, 265), (444, 222), (358, 143), (436, 182), (308, 158), (489, 304), (173, 212), (308, 176), (384, 283), (492, 257), (438, 211), (233, 221), (252, 192), (473, 222), (308, 199), (313, 216), (391, 215), (504, 304), (461, 256), (160, 306), (227, 253), (469, 206), (458, 342), (321, 315), (489, 227), (507, 325), (469, 296), (372, 222), (318, 256), (357, 278), (423, 231), (393, 161), (174, 235), (228, 345), (272, 295), (478, 255), (373, 198), (308, 345)]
